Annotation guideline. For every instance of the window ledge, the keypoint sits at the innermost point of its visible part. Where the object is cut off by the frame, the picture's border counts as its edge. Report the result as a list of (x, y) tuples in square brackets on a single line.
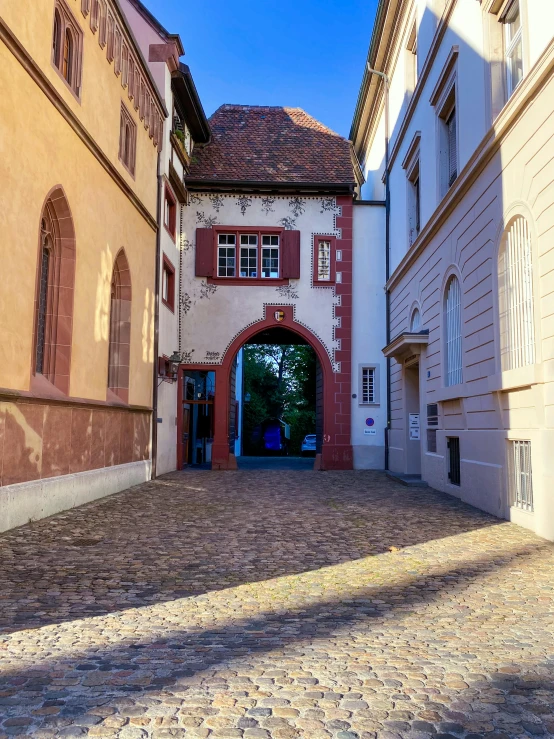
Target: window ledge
[(369, 405), (454, 392), (519, 377), (248, 281)]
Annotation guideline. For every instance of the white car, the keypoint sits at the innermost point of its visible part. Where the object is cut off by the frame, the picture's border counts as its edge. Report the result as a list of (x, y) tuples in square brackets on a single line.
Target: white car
[(308, 445)]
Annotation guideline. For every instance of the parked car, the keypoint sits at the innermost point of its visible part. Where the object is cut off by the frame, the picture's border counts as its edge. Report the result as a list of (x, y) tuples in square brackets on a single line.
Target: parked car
[(308, 445)]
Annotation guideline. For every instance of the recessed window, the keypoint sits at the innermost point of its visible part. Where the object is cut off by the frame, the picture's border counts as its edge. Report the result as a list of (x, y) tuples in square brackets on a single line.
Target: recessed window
[(414, 202), (170, 212), (127, 140), (110, 50), (368, 391), (448, 141), (324, 260), (67, 42), (119, 350), (258, 255), (168, 284), (453, 332), (516, 301), (415, 322), (513, 46), (411, 59)]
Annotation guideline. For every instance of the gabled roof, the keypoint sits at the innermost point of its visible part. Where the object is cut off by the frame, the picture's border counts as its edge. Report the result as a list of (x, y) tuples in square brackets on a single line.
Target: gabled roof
[(272, 146)]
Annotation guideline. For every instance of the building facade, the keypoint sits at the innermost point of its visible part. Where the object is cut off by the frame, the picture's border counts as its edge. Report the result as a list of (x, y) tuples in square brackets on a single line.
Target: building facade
[(268, 253), (185, 128), (79, 239), (461, 128)]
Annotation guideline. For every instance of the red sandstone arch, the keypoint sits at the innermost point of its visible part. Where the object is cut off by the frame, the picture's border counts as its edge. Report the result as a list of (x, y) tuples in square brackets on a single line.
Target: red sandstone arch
[(336, 449), (120, 328)]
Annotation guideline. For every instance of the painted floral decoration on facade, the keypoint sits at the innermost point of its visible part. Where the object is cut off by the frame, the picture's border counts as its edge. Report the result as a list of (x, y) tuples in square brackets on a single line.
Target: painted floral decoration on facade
[(217, 202), (195, 199), (297, 206), (244, 201), (186, 244), (328, 205), (187, 355), (267, 205), (212, 356), (207, 290), (289, 224), (288, 291), (185, 302), (206, 221)]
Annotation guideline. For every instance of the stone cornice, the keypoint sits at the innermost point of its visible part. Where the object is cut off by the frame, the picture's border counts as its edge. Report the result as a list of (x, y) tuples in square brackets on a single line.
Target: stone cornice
[(42, 81)]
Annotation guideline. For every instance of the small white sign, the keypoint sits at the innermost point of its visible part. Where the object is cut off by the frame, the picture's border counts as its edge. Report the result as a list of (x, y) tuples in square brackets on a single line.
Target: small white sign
[(414, 434), (370, 432), (414, 420)]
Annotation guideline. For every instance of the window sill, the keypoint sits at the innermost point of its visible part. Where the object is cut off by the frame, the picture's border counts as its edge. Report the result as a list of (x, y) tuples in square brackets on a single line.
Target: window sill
[(532, 374), (369, 405), (248, 281), (324, 283), (76, 95), (453, 392)]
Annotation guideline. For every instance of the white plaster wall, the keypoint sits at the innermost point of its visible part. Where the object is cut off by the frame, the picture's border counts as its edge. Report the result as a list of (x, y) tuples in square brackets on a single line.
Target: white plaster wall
[(213, 315), (368, 333)]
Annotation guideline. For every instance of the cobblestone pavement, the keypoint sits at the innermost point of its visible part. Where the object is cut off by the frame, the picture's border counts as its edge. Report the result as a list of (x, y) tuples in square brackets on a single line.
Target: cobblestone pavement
[(276, 605)]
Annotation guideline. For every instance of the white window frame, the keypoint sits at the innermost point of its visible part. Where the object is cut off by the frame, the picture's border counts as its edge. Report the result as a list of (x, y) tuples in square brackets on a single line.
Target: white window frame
[(226, 247), (453, 341), (374, 369), (510, 45), (246, 249), (444, 99), (270, 251), (516, 296), (324, 260)]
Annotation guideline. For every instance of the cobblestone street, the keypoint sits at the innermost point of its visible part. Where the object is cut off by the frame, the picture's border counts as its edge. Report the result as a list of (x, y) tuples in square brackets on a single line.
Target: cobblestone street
[(264, 604)]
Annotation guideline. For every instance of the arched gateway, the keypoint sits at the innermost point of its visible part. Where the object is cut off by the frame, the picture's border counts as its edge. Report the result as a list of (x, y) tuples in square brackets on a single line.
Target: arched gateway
[(268, 243)]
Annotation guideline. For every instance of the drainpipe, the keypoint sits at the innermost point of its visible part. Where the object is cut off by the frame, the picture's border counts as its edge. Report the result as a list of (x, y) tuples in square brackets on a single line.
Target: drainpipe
[(386, 81), (156, 324)]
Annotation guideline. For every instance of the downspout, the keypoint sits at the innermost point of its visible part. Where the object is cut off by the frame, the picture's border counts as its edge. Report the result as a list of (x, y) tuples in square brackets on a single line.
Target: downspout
[(387, 252), (156, 324)]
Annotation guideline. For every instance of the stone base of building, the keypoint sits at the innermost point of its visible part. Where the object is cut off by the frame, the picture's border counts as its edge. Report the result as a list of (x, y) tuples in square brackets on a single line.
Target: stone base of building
[(24, 502), (368, 457)]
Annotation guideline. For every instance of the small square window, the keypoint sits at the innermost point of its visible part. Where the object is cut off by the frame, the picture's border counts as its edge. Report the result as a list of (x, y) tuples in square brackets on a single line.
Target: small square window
[(168, 284)]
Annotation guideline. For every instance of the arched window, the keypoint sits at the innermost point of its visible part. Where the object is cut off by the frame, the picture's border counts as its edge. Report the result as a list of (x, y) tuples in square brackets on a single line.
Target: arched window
[(67, 66), (54, 296), (453, 332), (516, 301), (120, 329), (415, 322), (56, 41)]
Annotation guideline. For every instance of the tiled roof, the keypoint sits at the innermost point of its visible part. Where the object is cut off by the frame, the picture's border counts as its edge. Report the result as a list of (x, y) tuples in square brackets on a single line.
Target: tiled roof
[(272, 144)]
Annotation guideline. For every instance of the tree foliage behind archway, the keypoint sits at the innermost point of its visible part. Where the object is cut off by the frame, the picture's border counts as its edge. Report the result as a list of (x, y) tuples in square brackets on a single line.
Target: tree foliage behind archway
[(281, 383)]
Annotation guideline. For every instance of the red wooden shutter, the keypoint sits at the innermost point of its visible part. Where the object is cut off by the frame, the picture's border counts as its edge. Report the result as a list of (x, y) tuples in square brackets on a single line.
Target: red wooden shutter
[(290, 249), (204, 252)]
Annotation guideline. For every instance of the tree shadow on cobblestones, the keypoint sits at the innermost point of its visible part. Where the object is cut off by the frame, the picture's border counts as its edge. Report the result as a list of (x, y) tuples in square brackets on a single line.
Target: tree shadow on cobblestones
[(193, 533), (158, 664)]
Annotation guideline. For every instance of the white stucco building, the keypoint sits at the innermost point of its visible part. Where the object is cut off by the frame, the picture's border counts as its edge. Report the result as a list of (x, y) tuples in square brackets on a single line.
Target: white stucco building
[(470, 333)]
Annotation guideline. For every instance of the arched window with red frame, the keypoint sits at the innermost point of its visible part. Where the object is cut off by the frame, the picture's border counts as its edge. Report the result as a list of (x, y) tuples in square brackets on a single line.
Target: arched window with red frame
[(120, 329)]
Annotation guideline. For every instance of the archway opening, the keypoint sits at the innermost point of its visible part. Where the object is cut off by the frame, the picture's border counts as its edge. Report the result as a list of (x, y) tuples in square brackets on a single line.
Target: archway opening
[(276, 401)]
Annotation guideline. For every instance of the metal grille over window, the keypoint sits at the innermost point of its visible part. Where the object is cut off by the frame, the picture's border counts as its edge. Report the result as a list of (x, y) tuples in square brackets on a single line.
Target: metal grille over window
[(368, 385), (324, 261), (226, 255), (453, 324), (248, 255), (43, 299), (452, 150), (521, 476), (515, 277), (454, 460), (270, 256)]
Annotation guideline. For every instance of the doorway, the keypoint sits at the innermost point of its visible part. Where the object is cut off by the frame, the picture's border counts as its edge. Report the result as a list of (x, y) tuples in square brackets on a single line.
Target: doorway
[(412, 421), (198, 417)]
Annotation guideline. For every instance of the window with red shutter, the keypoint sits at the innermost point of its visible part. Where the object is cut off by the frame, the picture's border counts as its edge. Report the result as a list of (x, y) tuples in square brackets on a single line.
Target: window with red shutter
[(204, 252), (291, 254)]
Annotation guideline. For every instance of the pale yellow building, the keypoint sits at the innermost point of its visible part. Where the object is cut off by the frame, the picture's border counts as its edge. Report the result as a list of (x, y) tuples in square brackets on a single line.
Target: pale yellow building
[(80, 126)]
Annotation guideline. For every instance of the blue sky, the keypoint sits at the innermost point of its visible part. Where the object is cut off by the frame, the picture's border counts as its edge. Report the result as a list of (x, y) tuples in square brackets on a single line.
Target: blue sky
[(300, 53)]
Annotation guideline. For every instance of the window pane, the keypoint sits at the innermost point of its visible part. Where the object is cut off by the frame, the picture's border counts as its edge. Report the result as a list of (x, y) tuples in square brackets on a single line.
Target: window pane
[(43, 299), (270, 262), (226, 261), (324, 260), (368, 385), (453, 332), (248, 261)]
